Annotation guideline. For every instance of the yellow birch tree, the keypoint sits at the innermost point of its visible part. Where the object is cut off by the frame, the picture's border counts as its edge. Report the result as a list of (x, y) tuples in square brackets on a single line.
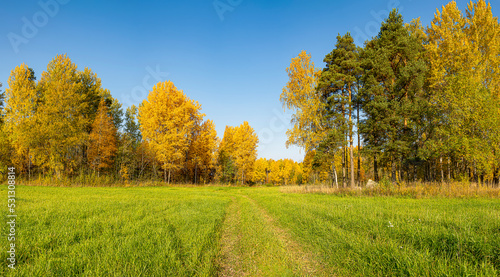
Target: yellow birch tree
[(300, 96), (62, 117), (20, 112), (102, 140), (203, 150), (167, 119), (245, 153)]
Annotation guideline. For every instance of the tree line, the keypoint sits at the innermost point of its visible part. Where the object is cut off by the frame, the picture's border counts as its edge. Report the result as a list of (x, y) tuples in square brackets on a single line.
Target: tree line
[(67, 125), (423, 102)]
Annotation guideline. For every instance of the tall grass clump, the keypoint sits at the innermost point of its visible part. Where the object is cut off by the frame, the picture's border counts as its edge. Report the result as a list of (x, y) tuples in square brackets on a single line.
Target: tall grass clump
[(411, 190)]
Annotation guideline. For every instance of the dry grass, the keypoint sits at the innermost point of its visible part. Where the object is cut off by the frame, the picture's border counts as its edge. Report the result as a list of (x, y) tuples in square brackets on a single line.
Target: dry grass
[(416, 190)]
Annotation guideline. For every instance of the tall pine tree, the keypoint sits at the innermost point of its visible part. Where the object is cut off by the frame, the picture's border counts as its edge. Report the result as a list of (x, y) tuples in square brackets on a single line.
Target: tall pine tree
[(392, 95), (338, 87)]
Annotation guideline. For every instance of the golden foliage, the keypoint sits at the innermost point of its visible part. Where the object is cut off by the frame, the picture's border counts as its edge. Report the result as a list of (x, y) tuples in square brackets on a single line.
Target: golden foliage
[(62, 117), (259, 175), (102, 140), (238, 152), (280, 172), (245, 150), (20, 120), (203, 149), (300, 95), (167, 121)]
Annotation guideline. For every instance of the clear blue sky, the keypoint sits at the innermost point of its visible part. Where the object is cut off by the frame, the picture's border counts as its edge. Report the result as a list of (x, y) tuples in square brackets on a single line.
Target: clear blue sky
[(232, 61)]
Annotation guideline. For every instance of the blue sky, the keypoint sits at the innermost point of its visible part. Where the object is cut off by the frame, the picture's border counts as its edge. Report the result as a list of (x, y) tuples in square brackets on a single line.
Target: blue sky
[(231, 60)]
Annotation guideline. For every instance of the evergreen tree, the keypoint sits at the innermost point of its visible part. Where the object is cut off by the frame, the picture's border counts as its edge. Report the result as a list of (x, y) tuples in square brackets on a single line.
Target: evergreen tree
[(337, 85), (392, 95)]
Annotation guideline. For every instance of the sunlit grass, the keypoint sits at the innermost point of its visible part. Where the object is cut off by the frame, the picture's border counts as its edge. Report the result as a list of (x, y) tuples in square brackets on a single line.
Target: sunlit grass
[(116, 231), (387, 236), (181, 231)]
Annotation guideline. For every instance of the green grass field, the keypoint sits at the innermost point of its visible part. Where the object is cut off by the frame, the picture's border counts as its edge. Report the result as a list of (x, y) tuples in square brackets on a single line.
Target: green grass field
[(227, 231)]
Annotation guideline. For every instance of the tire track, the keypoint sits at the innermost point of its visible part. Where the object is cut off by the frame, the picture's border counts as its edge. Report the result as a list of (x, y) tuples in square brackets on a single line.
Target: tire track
[(305, 262), (230, 257)]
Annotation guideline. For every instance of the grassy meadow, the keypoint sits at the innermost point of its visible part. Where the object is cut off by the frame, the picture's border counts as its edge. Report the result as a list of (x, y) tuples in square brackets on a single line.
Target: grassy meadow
[(240, 231)]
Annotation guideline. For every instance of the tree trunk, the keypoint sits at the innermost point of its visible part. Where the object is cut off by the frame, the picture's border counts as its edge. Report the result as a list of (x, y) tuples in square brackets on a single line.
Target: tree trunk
[(375, 168), (449, 171), (414, 172), (359, 147), (496, 178), (165, 171), (29, 165), (335, 173), (393, 170), (169, 176), (441, 167), (351, 160), (352, 165), (195, 172), (475, 172), (401, 171), (343, 166), (142, 165)]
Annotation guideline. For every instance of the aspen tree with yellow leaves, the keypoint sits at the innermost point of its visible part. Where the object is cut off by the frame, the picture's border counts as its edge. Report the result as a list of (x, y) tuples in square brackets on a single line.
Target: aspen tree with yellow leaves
[(102, 140), (5, 145), (300, 96), (62, 117), (202, 151), (20, 115), (245, 150), (167, 120), (465, 94), (259, 173), (225, 156), (237, 153)]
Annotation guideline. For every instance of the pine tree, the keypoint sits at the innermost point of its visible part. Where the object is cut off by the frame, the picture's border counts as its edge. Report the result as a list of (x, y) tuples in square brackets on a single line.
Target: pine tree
[(129, 157), (392, 95), (338, 84)]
